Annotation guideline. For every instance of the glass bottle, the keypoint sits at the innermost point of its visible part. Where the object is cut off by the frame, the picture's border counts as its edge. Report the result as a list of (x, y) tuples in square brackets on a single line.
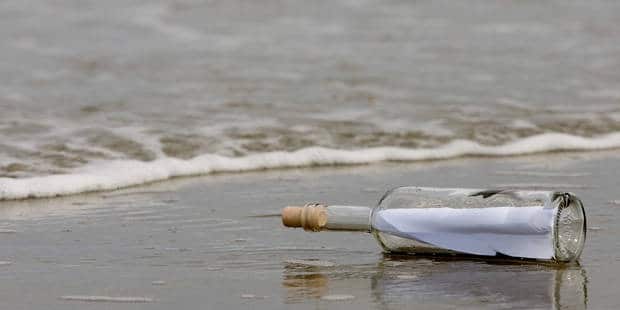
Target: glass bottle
[(537, 225)]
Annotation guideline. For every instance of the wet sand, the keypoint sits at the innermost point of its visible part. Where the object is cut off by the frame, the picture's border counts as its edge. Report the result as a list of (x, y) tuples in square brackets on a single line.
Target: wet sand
[(212, 242)]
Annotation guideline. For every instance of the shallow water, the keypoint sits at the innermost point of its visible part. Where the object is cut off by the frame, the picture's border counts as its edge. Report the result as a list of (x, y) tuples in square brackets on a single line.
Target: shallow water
[(89, 82)]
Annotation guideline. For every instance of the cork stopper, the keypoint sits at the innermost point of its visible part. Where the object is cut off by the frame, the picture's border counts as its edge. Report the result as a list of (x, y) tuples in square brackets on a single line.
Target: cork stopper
[(311, 217)]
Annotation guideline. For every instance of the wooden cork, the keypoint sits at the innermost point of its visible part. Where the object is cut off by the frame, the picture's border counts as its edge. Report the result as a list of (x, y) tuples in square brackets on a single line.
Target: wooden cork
[(311, 217)]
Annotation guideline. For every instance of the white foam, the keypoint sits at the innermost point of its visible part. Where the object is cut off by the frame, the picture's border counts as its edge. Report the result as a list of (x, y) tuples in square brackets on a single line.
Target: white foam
[(127, 299), (153, 17), (118, 174)]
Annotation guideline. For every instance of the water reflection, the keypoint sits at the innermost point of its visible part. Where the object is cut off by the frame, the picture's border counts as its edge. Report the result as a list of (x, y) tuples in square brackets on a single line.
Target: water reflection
[(395, 281)]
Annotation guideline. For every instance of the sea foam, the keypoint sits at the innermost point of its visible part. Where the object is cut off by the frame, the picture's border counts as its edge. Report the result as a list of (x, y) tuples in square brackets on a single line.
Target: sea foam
[(118, 174)]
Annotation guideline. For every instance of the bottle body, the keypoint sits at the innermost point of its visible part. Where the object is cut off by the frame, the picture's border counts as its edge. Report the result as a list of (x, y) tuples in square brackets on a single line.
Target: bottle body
[(540, 225)]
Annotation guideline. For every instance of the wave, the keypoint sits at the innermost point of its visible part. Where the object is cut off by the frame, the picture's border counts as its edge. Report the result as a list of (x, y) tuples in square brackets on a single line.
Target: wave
[(119, 174)]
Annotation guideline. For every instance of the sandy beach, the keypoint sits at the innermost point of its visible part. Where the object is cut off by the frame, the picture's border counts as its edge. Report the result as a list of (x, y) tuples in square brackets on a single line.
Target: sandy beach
[(214, 242)]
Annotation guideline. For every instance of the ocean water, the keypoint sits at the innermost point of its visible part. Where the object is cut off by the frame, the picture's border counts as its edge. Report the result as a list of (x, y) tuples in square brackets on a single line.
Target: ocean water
[(98, 95)]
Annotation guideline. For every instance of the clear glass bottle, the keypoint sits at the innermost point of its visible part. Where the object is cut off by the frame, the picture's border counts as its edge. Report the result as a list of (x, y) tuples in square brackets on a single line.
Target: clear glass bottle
[(538, 225)]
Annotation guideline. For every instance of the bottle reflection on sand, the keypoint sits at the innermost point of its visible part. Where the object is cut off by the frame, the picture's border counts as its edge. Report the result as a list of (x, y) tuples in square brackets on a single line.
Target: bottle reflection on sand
[(304, 286), (395, 281)]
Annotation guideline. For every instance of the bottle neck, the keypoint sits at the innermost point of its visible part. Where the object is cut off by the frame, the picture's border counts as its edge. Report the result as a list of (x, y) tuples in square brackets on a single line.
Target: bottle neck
[(348, 218), (317, 217)]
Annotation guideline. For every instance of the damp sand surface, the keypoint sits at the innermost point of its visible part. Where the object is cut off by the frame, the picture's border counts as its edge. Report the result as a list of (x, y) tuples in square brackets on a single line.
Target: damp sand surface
[(213, 242)]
